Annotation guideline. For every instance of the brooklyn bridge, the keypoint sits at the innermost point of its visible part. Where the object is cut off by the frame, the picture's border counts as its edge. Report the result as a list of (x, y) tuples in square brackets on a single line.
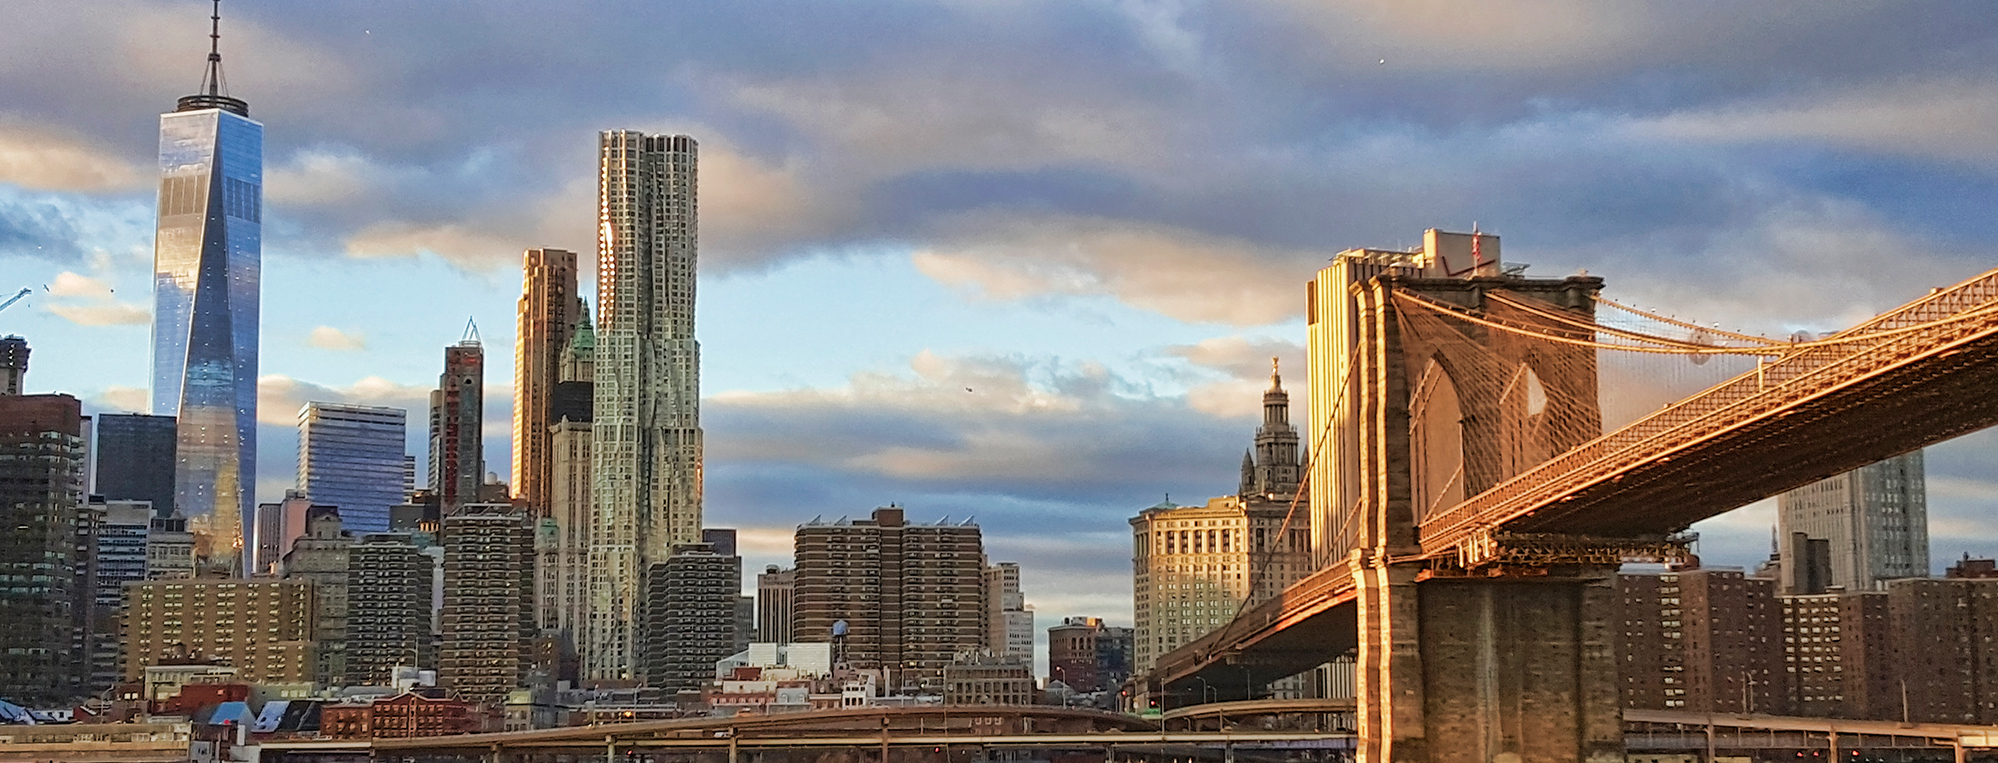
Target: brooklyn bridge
[(1469, 512)]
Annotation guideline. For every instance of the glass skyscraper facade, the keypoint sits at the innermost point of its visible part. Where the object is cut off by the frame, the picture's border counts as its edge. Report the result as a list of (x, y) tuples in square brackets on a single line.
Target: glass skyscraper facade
[(135, 459), (351, 457), (207, 265)]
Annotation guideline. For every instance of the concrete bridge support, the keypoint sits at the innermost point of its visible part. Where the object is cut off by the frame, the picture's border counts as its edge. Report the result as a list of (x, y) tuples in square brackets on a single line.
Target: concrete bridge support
[(1487, 669)]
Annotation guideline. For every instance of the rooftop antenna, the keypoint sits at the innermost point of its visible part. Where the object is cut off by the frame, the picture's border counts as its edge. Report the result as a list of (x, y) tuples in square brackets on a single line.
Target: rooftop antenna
[(213, 86), (211, 82), (471, 328)]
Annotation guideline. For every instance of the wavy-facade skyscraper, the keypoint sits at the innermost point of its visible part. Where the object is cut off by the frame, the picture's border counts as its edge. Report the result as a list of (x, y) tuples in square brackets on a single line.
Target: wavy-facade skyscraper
[(646, 461), (208, 262)]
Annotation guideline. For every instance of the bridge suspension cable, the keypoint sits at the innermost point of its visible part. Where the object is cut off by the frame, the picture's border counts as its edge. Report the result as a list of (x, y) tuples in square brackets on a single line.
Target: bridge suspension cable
[(1664, 345), (1670, 321)]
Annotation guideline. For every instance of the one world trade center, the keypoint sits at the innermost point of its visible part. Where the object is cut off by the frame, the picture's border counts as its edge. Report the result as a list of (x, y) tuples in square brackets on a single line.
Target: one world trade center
[(207, 261)]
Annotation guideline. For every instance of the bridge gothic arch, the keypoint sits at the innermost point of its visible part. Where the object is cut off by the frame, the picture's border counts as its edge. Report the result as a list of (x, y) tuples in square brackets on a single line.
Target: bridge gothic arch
[(1436, 422)]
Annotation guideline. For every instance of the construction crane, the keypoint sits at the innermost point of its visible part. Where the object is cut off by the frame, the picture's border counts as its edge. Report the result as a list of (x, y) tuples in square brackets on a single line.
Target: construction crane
[(16, 298)]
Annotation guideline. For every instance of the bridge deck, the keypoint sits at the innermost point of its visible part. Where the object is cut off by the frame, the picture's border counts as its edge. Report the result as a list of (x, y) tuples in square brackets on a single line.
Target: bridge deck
[(1282, 637)]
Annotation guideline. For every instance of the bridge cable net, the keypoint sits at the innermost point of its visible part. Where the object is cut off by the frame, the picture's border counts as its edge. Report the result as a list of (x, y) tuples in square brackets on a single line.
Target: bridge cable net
[(1655, 375), (1557, 378)]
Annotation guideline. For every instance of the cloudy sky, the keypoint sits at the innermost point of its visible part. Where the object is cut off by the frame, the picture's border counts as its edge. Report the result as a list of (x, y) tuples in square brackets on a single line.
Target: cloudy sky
[(1096, 215)]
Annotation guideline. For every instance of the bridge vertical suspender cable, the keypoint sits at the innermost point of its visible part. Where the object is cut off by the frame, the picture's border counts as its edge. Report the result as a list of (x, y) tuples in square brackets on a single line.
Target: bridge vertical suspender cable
[(1258, 569)]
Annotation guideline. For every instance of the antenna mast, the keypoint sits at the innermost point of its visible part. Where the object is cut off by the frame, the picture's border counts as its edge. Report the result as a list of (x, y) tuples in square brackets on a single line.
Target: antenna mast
[(214, 89), (211, 82)]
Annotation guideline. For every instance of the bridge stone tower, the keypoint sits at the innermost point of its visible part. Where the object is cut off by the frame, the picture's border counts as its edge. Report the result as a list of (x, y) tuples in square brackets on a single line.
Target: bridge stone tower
[(1497, 663)]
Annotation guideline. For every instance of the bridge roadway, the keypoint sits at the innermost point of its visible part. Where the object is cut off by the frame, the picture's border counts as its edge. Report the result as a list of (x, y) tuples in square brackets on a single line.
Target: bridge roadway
[(938, 728), (1913, 377), (1654, 731)]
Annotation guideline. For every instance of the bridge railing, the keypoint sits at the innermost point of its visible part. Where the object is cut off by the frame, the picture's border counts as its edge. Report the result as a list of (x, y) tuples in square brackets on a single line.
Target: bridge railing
[(1817, 366)]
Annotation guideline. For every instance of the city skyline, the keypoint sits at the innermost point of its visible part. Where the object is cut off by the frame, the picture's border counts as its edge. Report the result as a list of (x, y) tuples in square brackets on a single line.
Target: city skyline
[(870, 333)]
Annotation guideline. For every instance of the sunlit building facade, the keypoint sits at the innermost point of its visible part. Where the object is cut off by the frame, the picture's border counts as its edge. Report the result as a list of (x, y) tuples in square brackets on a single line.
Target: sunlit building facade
[(208, 260), (549, 313), (647, 449), (1195, 567), (457, 424)]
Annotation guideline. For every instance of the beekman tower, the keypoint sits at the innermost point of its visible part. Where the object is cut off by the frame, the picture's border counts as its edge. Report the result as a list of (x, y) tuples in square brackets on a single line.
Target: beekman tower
[(646, 459), (207, 261)]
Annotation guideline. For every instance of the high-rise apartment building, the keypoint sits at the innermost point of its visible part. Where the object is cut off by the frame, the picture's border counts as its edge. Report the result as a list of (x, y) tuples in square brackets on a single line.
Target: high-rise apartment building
[(208, 262), (1838, 657), (322, 555), (550, 310), (1718, 641), (261, 627), (690, 613), (41, 504), (1874, 520), (351, 456), (647, 450), (488, 616), (135, 459), (1009, 624), (13, 364), (910, 595), (119, 534), (457, 451), (776, 605), (1942, 637), (1709, 640), (388, 608)]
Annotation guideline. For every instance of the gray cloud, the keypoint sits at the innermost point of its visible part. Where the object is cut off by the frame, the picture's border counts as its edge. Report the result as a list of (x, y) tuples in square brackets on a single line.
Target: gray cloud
[(1266, 130), (30, 228)]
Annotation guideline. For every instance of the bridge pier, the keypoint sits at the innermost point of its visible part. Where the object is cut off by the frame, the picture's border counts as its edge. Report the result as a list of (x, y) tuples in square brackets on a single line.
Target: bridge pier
[(1486, 669)]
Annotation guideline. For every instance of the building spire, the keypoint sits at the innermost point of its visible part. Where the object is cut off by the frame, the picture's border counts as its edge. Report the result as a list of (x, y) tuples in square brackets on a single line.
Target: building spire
[(214, 89), (211, 82)]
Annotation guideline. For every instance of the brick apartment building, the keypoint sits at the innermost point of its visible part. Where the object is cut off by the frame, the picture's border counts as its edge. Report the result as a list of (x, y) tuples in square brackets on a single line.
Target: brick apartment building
[(1720, 641), (911, 595)]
